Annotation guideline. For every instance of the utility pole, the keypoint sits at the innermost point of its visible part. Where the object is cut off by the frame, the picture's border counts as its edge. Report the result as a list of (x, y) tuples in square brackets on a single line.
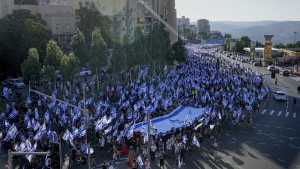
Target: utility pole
[(86, 121)]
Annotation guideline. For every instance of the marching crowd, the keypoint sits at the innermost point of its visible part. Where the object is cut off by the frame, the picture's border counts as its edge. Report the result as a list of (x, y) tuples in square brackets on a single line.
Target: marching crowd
[(229, 92)]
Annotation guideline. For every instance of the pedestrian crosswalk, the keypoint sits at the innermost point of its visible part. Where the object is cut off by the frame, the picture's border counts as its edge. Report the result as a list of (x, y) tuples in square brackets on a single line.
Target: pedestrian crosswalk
[(280, 113)]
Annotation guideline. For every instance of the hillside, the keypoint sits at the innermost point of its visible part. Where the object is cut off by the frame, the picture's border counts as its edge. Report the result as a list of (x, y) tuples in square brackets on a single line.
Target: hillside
[(283, 31)]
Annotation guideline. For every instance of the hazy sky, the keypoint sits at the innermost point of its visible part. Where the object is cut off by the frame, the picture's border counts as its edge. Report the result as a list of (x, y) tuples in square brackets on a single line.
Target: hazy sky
[(239, 10)]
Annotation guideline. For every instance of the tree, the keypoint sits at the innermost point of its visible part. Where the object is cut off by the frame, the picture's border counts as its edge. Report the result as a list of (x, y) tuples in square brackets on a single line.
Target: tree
[(245, 41), (79, 47), (227, 35), (20, 31), (31, 67), (69, 66), (160, 42), (140, 52), (89, 19), (26, 2), (48, 72), (54, 55), (178, 52), (99, 57), (118, 59)]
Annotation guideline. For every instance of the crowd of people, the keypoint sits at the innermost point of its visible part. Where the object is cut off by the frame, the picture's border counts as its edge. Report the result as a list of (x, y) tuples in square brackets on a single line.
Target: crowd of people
[(229, 92)]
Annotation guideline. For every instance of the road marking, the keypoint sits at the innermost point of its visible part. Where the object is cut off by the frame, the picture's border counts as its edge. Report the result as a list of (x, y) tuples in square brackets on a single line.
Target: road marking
[(291, 138), (271, 113), (279, 127), (233, 139), (256, 150), (294, 115), (279, 113), (267, 154), (281, 141), (263, 112), (272, 137), (287, 114), (296, 165), (280, 160), (227, 134)]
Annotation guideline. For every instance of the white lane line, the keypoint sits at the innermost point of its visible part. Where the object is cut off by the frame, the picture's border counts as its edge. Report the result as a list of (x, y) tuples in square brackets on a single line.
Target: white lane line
[(263, 112), (279, 113), (272, 138), (267, 154), (294, 115), (227, 134), (271, 113), (296, 165), (256, 150), (234, 139), (287, 114), (280, 160)]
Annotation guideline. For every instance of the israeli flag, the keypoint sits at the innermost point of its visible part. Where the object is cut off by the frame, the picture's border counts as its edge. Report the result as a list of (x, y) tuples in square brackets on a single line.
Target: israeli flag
[(28, 101), (130, 131), (22, 147), (6, 123), (35, 125), (66, 135), (36, 113), (64, 118), (6, 92), (28, 124), (47, 116), (140, 161), (12, 133), (13, 114), (2, 115), (53, 136), (75, 133), (108, 130), (81, 131), (195, 141)]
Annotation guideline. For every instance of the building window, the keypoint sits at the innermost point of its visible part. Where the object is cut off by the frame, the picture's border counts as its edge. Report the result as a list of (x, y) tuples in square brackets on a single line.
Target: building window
[(86, 3), (123, 29), (57, 26), (166, 20), (67, 26), (80, 3)]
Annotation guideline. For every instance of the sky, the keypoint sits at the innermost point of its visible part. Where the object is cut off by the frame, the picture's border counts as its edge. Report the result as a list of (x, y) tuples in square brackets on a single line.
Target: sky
[(239, 10)]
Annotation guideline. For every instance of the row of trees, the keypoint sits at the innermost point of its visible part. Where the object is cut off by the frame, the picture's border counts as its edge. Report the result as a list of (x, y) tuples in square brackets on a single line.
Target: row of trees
[(25, 38)]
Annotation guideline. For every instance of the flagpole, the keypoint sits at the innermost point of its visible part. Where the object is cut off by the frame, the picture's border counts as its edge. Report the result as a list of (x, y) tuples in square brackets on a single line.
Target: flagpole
[(148, 144), (86, 126)]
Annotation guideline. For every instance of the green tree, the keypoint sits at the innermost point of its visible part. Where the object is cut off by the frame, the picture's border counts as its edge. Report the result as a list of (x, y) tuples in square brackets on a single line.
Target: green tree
[(178, 52), (89, 19), (54, 55), (117, 59), (227, 35), (79, 47), (69, 66), (245, 41), (140, 51), (31, 66), (160, 42), (99, 57), (26, 2), (48, 72), (20, 31)]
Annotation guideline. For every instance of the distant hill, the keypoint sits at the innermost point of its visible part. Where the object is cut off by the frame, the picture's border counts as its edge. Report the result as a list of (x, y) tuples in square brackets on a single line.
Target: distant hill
[(283, 31)]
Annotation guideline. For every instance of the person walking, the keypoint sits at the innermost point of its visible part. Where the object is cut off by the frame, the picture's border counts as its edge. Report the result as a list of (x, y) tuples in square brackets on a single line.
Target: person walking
[(161, 159)]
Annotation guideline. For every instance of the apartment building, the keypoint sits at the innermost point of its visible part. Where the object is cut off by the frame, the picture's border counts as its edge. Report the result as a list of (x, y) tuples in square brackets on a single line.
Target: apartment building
[(203, 26), (183, 23), (60, 19)]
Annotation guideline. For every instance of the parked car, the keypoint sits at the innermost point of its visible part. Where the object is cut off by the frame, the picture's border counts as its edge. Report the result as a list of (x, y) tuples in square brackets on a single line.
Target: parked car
[(85, 72), (14, 83), (279, 95), (284, 73), (271, 67)]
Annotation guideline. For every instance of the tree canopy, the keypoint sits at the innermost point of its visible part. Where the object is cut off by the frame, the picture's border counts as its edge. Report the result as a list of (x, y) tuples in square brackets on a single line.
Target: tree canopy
[(19, 32), (31, 66)]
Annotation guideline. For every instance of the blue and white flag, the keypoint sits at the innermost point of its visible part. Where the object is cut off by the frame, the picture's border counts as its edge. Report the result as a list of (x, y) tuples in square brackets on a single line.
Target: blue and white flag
[(47, 116), (81, 131), (11, 133), (185, 139), (195, 141), (75, 133), (36, 113), (28, 101), (108, 130), (6, 92), (2, 115), (39, 134), (6, 123), (53, 136), (130, 131), (13, 114), (66, 135), (140, 161)]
